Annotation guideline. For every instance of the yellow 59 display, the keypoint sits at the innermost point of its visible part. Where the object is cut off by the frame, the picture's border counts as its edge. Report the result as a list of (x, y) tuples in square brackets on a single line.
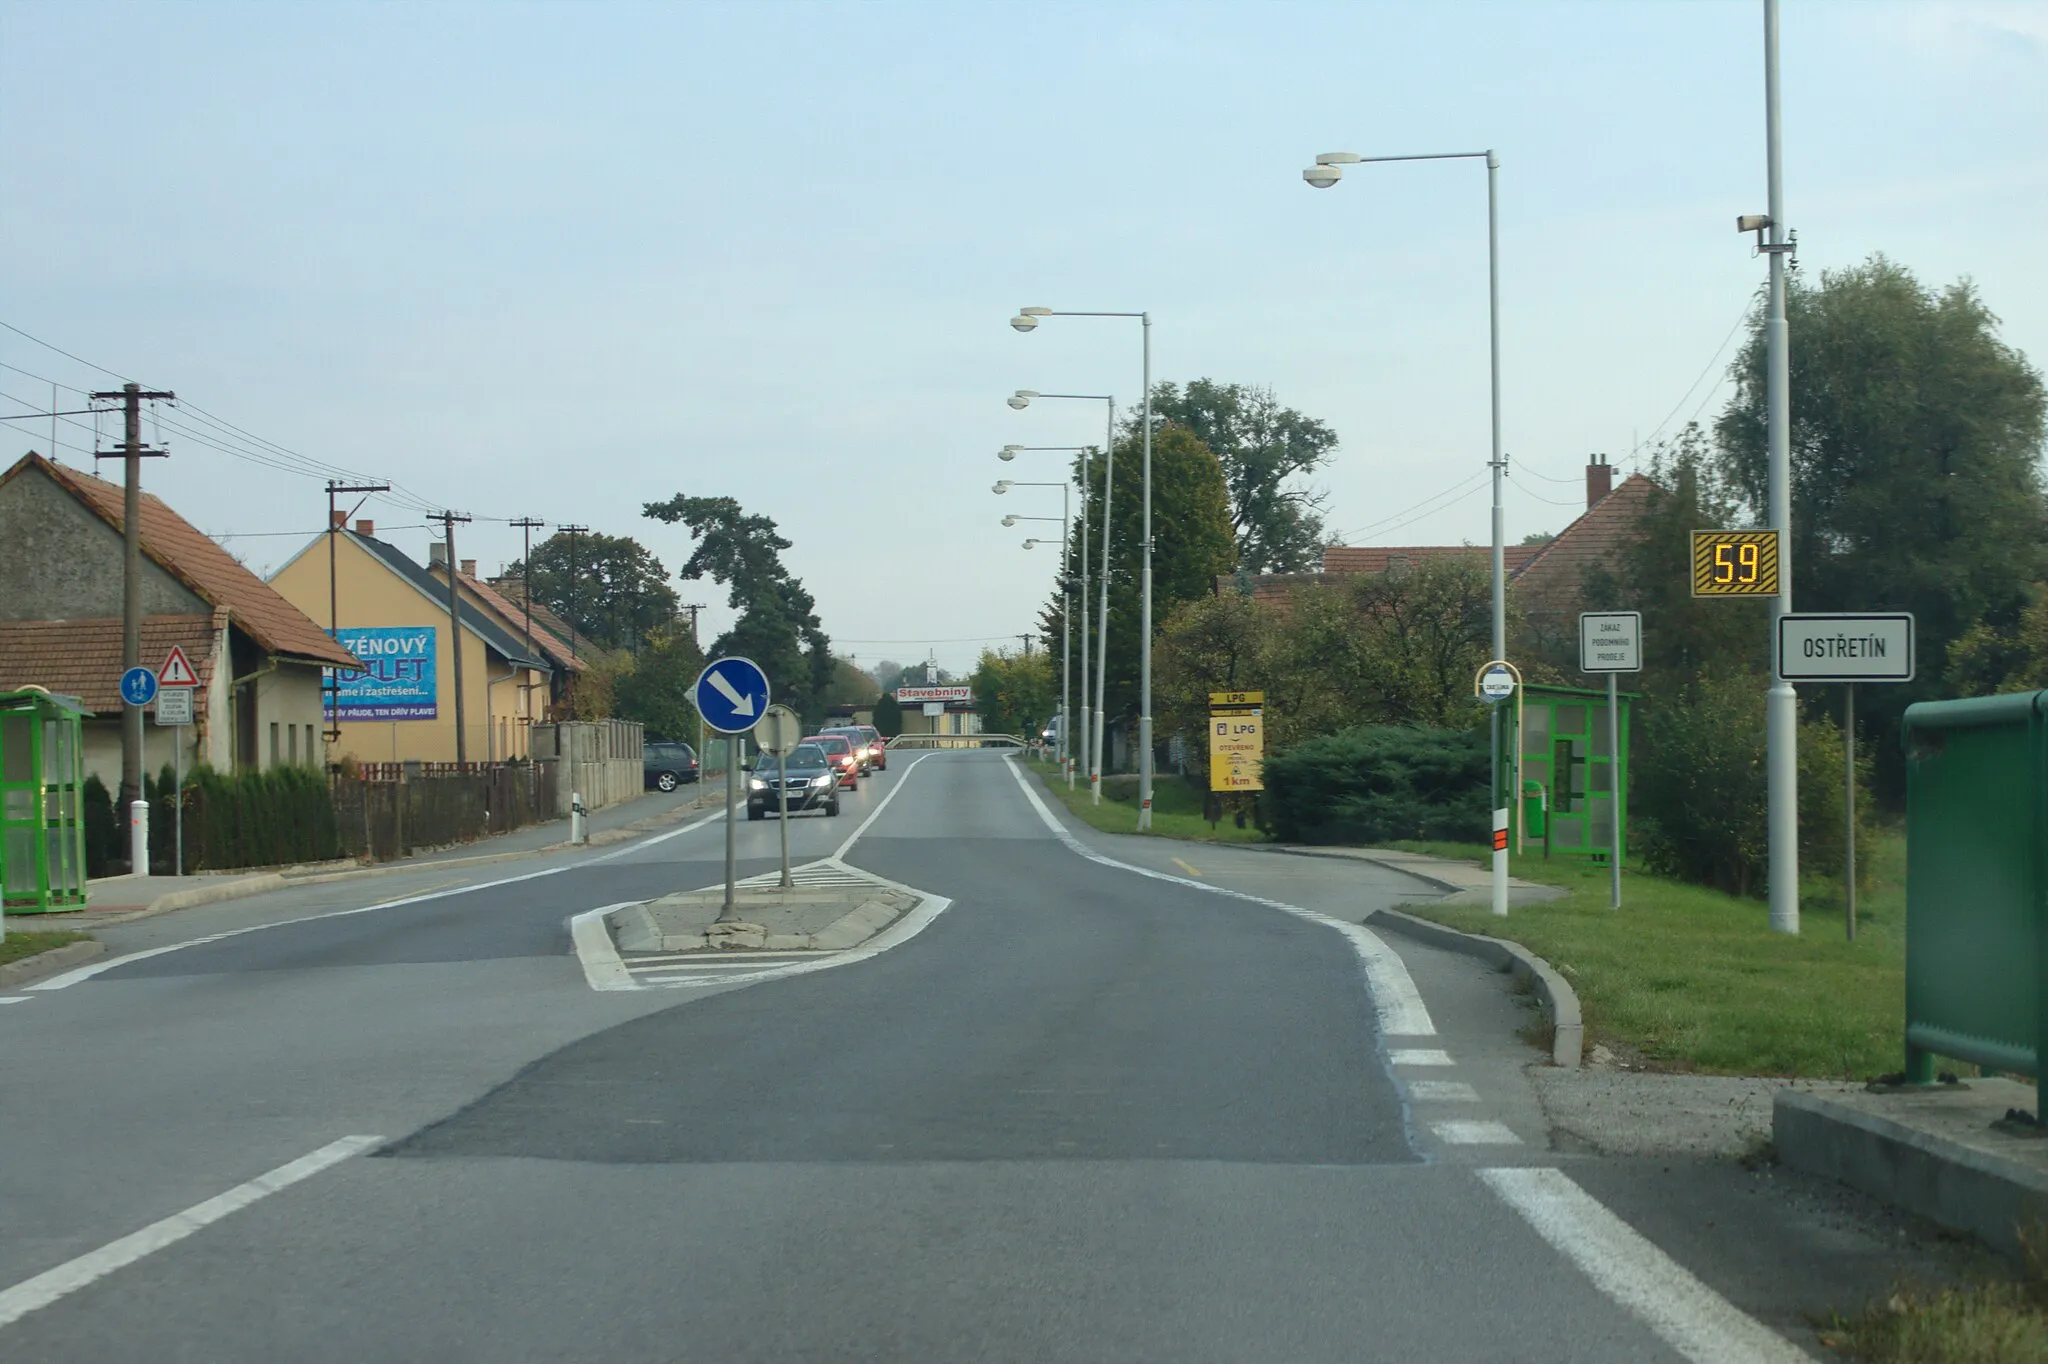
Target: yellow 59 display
[(1735, 563)]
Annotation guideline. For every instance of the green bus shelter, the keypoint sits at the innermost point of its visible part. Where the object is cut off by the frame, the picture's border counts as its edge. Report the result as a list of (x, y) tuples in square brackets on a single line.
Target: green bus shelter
[(42, 830), (1572, 787)]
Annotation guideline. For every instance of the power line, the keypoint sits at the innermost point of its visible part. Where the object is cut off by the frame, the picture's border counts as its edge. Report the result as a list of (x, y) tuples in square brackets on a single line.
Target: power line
[(1372, 527)]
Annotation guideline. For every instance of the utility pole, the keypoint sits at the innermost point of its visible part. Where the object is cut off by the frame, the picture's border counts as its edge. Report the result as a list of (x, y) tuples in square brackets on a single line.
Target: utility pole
[(693, 608), (575, 583), (133, 452), (1782, 702), (527, 526), (334, 595), (1027, 644), (448, 520)]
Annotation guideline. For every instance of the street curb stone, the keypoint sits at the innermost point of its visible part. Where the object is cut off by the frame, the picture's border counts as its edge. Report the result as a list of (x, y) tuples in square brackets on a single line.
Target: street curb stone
[(48, 963), (1560, 1001)]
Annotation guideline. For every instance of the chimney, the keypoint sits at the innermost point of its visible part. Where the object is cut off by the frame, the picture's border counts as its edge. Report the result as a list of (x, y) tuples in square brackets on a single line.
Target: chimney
[(366, 528), (1599, 480), (437, 554), (469, 568), (338, 519)]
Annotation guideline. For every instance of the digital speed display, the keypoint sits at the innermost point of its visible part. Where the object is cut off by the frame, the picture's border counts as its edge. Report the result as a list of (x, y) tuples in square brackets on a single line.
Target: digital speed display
[(1735, 563)]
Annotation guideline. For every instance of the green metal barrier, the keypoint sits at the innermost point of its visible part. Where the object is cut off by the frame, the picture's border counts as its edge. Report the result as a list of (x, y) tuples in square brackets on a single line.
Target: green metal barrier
[(1977, 883)]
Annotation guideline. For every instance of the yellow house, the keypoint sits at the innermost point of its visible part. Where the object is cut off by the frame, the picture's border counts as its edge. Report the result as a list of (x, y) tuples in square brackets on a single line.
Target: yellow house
[(392, 613)]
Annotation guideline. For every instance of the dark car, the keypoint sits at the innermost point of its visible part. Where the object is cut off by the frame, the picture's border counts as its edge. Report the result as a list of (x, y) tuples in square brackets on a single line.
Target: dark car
[(857, 738), (667, 765), (808, 777), (845, 759)]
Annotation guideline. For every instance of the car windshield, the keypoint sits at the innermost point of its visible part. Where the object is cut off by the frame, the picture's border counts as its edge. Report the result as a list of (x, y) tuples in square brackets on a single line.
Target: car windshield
[(807, 755), (833, 744)]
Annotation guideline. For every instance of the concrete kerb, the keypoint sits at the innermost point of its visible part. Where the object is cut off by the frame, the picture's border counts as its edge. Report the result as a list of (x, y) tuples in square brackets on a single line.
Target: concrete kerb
[(48, 963), (1559, 1000), (635, 928)]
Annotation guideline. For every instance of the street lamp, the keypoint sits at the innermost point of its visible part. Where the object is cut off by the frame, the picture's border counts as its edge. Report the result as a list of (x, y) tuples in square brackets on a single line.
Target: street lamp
[(1066, 621), (1327, 171), (1022, 399), (1091, 721)]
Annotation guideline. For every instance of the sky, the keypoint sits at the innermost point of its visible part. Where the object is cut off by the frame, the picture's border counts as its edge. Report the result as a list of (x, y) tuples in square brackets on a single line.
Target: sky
[(561, 260)]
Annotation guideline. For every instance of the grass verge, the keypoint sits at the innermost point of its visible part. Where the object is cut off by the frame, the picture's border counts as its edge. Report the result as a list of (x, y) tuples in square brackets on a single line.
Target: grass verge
[(1176, 807), (1695, 980), (1993, 1322), (19, 946)]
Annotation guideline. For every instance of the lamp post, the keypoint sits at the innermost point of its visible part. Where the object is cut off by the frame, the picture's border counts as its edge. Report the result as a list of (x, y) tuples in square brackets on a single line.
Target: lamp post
[(1066, 619), (1026, 320), (1077, 748), (1327, 171)]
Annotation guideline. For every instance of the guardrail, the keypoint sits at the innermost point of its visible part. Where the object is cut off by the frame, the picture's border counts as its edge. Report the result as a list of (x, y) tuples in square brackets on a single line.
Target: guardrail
[(956, 741)]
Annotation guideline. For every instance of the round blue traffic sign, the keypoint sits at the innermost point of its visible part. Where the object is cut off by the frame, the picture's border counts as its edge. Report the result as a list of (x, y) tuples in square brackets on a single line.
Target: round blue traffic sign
[(731, 694), (138, 686)]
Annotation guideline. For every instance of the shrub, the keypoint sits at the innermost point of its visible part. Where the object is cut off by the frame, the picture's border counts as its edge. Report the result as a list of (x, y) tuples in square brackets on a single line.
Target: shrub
[(1378, 783), (259, 819), (102, 830)]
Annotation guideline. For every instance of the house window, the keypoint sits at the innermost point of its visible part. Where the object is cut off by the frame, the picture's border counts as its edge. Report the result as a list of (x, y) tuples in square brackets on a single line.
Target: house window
[(310, 750), (273, 743), (291, 738)]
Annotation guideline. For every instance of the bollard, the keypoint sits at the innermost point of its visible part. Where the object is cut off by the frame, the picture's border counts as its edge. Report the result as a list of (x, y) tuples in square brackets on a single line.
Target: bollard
[(579, 832), (138, 838)]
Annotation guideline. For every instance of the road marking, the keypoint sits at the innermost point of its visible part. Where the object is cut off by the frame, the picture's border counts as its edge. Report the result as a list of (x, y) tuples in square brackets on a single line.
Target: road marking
[(1443, 1091), (13, 999), (704, 957), (1407, 1056), (595, 952), (1185, 867), (52, 1284), (1469, 1132), (1394, 997), (840, 852), (1689, 1316)]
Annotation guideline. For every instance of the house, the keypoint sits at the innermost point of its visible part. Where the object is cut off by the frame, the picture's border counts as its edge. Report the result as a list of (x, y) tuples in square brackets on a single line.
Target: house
[(572, 654), (393, 612), (259, 658)]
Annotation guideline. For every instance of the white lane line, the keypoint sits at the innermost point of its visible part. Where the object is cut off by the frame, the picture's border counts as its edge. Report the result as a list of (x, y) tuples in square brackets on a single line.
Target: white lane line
[(1394, 996), (1443, 1091), (701, 957), (840, 852), (1689, 1316), (13, 999), (70, 978), (52, 1284), (1469, 1132), (1420, 1056)]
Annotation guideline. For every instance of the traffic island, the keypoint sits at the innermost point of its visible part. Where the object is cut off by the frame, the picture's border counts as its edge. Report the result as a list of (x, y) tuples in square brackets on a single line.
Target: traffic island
[(767, 918)]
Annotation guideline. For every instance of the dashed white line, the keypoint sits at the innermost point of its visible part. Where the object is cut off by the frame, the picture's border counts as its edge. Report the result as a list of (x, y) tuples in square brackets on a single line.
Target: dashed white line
[(52, 1284), (1420, 1056), (1474, 1132), (13, 999), (1689, 1316), (1394, 996), (1443, 1091)]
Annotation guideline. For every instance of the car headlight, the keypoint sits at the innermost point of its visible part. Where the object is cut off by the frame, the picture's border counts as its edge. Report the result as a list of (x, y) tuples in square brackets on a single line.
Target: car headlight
[(756, 784), (825, 780)]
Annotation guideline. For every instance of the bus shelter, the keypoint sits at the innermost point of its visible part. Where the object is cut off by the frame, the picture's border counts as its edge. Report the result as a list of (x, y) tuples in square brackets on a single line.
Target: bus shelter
[(42, 827), (1573, 788)]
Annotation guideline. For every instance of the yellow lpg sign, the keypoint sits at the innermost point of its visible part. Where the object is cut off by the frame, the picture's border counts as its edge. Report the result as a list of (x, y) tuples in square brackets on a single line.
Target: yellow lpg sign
[(1237, 740)]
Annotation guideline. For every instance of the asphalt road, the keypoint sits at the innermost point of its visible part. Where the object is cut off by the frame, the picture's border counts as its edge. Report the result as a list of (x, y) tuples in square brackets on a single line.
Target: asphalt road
[(1087, 1113)]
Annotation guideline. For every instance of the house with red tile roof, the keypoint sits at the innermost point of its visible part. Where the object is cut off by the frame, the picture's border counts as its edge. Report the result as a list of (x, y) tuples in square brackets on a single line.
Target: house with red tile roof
[(259, 658)]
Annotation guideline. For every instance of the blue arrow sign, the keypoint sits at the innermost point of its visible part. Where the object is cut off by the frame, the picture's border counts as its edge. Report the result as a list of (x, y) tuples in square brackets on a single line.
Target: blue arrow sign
[(138, 686), (731, 695)]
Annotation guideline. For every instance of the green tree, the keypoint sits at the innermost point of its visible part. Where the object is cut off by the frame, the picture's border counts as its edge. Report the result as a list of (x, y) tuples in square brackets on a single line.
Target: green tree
[(1267, 453), (608, 586), (655, 688), (1988, 659), (850, 685), (1917, 438), (888, 716), (778, 624), (1015, 693), (1223, 642)]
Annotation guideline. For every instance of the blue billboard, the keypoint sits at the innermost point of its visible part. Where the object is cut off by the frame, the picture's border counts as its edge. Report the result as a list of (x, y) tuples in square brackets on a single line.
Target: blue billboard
[(397, 678)]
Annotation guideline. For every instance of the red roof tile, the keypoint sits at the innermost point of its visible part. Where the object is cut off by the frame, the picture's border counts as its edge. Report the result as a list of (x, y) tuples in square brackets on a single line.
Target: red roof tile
[(194, 559), (82, 658), (1559, 568), (1375, 558), (514, 619)]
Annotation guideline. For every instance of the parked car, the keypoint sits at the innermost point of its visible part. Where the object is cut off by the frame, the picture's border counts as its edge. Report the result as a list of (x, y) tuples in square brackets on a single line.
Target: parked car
[(857, 737), (665, 765), (809, 778), (840, 751)]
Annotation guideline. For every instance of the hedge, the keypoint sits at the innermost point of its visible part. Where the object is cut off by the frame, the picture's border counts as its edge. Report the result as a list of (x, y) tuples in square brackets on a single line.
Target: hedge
[(1378, 783)]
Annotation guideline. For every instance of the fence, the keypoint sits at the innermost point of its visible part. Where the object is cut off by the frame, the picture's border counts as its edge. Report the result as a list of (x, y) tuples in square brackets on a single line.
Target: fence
[(597, 759), (393, 809)]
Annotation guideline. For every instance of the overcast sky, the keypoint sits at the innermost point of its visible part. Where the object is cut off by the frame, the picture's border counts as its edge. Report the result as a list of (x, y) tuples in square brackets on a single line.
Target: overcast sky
[(560, 260)]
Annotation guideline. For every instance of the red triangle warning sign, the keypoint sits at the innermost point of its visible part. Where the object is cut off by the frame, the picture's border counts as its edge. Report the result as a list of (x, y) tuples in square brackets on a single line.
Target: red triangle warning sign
[(177, 670)]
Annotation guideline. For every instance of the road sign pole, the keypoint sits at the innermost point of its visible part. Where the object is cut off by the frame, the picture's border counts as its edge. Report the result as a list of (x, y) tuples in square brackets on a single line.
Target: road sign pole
[(782, 813), (1782, 702), (1614, 771), (178, 801), (731, 786), (1849, 799), (1500, 825)]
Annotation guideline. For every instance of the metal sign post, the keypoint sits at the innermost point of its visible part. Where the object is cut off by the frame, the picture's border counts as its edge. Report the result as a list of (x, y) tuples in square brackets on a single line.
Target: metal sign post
[(731, 695), (176, 681), (1847, 648), (1495, 683), (1611, 642), (779, 732)]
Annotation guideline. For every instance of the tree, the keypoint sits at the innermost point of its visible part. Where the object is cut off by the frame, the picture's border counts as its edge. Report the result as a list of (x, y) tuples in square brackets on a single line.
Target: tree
[(1988, 659), (1916, 464), (888, 716), (655, 689), (778, 625), (850, 685), (1015, 693), (609, 587), (1266, 452), (1223, 642), (1193, 545)]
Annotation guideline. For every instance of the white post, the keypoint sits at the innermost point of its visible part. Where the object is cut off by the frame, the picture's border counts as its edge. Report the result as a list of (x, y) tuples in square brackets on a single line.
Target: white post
[(1849, 800), (1145, 611), (1500, 845), (1614, 785), (782, 808), (138, 837), (577, 833), (1783, 701)]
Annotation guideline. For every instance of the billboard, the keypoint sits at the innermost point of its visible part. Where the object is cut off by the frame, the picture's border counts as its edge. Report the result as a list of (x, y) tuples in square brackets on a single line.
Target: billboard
[(908, 695), (397, 678)]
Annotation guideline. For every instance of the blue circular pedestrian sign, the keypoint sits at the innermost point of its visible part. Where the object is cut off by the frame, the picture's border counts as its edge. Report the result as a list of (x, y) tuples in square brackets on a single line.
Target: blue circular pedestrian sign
[(732, 695), (138, 686)]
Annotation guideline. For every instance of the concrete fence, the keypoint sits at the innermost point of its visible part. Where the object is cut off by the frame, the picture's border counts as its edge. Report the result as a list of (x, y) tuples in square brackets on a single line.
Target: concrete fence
[(597, 759)]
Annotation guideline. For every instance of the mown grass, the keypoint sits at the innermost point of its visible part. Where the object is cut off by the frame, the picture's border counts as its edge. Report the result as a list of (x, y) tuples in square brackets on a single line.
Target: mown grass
[(1692, 979), (18, 946), (1176, 807)]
